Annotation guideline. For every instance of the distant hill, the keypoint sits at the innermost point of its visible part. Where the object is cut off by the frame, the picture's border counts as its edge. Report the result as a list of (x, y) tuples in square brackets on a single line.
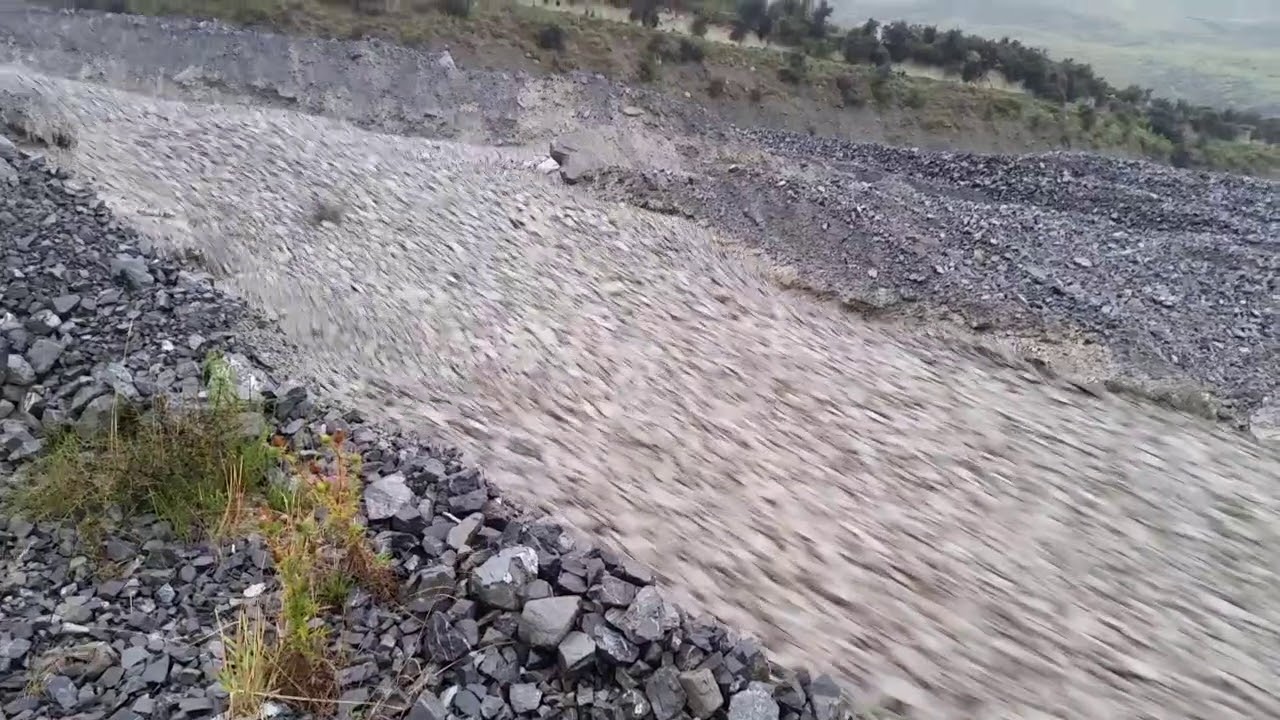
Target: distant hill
[(1224, 53)]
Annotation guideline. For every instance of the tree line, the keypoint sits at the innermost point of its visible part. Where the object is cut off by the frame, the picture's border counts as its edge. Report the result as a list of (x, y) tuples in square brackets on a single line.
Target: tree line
[(806, 26)]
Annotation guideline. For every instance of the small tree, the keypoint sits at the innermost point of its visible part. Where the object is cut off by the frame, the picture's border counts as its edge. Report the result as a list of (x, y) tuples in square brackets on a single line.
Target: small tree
[(698, 26), (796, 69), (457, 8), (551, 37)]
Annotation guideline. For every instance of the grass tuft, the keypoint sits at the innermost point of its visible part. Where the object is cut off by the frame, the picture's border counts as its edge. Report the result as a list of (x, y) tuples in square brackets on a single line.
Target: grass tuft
[(248, 667), (184, 463)]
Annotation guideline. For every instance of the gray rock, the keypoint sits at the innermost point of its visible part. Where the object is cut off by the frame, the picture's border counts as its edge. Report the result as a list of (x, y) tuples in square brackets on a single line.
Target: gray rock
[(64, 304), (385, 496), (446, 641), (582, 155), (827, 700), (61, 690), (428, 707), (665, 692), (501, 580), (544, 623), (702, 692), (650, 616), (20, 371), (576, 651), (8, 176), (754, 703), (614, 592), (524, 697), (44, 353), (97, 416), (157, 672), (43, 322), (614, 645), (132, 271), (133, 655), (460, 535), (466, 703)]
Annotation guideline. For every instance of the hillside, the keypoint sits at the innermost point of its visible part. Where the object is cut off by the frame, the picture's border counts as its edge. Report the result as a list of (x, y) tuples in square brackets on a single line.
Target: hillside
[(1223, 54), (816, 90)]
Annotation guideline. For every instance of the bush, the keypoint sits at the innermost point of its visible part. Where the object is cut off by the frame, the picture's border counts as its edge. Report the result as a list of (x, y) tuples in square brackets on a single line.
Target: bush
[(551, 37), (698, 26), (649, 69), (691, 50), (913, 98), (796, 69), (850, 93), (456, 8)]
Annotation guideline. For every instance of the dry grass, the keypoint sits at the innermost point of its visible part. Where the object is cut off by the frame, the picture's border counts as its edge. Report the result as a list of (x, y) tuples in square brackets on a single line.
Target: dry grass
[(198, 467), (184, 463)]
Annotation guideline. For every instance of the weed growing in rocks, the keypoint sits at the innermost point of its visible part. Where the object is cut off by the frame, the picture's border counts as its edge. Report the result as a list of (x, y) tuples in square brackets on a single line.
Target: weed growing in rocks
[(173, 460)]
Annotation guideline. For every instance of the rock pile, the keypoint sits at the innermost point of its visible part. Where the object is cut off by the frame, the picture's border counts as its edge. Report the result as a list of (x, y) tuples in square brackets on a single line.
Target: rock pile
[(1169, 269), (502, 615)]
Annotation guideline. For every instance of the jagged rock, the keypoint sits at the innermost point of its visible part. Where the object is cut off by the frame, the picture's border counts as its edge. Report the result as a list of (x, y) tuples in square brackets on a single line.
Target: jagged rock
[(702, 692), (501, 580), (754, 703), (576, 651), (649, 617), (384, 497), (524, 697), (544, 623), (665, 692)]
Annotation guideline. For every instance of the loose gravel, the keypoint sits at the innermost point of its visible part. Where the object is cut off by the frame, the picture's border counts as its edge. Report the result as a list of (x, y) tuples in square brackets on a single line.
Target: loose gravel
[(1173, 272), (961, 537)]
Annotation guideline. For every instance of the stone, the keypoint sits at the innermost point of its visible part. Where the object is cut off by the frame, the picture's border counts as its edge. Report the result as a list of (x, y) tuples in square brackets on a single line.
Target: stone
[(428, 707), (544, 623), (20, 371), (460, 535), (384, 497), (132, 272), (64, 304), (97, 416), (157, 672), (501, 580), (614, 592), (524, 697), (665, 692), (63, 691), (133, 655), (702, 692), (827, 700), (576, 651), (649, 617), (445, 640), (754, 703), (467, 704), (43, 354), (614, 645)]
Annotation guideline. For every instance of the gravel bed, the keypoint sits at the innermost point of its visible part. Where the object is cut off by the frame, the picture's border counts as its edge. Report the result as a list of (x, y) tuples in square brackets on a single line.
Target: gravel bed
[(501, 616), (1175, 272)]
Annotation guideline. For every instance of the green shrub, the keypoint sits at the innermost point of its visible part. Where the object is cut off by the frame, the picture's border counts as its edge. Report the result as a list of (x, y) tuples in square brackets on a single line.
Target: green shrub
[(551, 37), (456, 8), (698, 26)]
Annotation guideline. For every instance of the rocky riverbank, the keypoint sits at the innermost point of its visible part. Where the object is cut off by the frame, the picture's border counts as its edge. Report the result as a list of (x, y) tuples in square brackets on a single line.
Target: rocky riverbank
[(499, 616)]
